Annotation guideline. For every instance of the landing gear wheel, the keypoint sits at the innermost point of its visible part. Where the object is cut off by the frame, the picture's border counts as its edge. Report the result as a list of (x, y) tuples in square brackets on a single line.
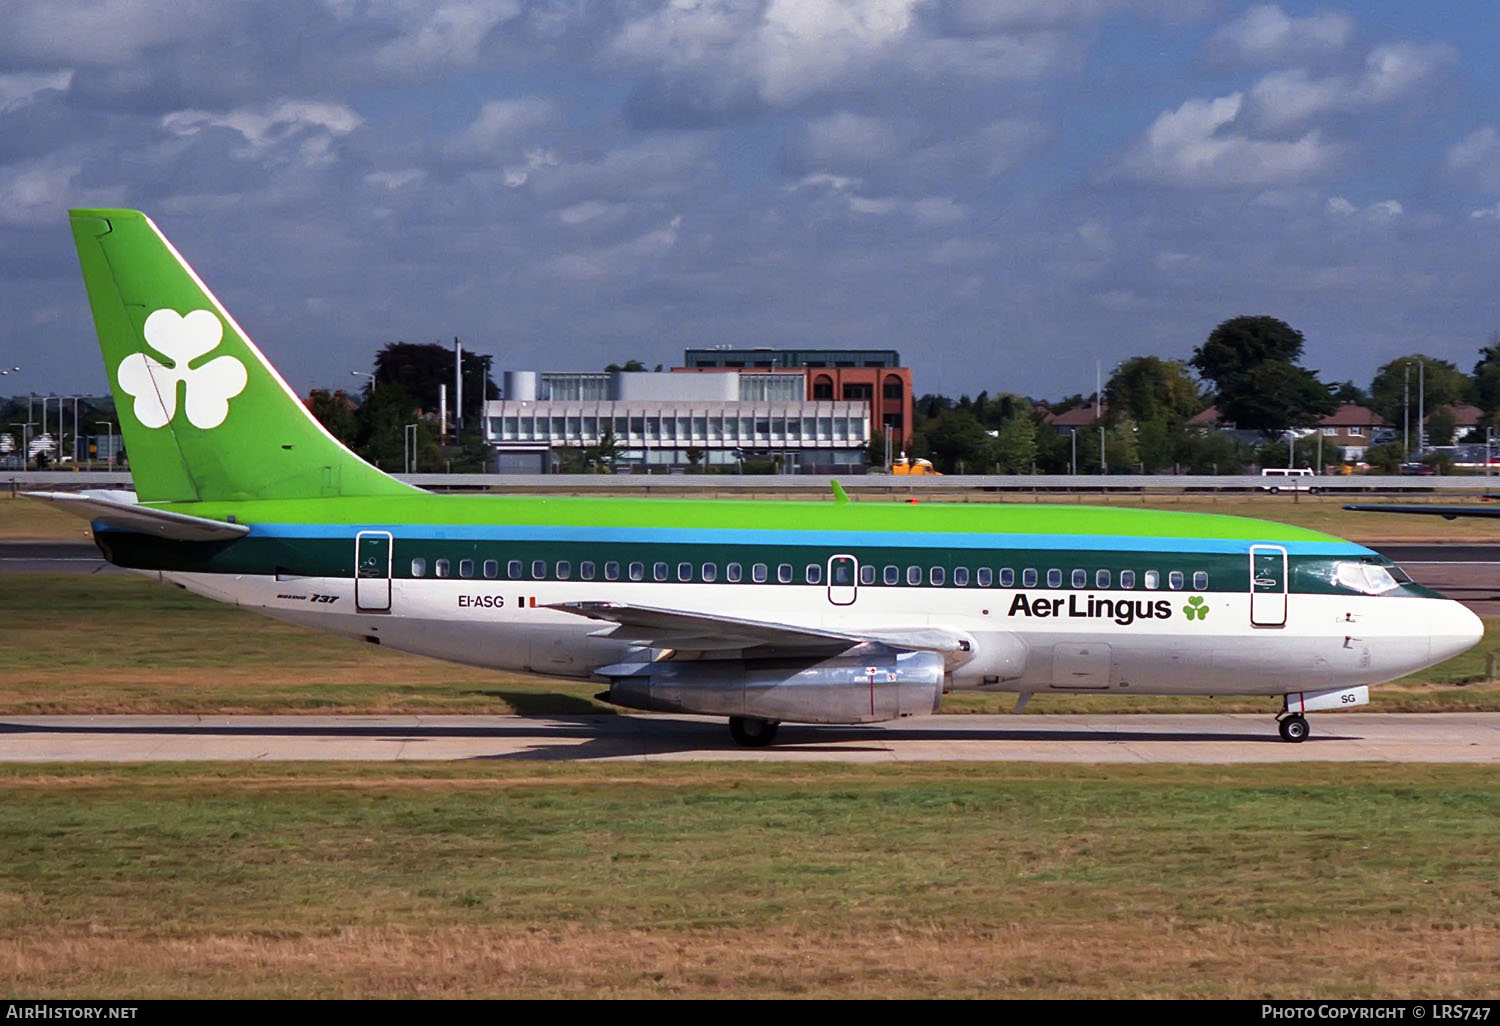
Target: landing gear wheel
[(751, 732), (1294, 728)]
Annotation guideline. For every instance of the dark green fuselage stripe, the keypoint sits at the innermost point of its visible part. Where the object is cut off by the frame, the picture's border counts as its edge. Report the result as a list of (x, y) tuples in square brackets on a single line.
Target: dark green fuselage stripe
[(334, 557)]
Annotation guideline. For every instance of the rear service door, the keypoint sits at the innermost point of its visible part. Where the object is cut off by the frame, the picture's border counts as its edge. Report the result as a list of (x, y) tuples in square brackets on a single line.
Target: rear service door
[(1268, 586), (372, 571)]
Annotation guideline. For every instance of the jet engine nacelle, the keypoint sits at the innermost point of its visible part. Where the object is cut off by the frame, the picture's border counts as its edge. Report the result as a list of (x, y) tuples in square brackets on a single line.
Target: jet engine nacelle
[(866, 684)]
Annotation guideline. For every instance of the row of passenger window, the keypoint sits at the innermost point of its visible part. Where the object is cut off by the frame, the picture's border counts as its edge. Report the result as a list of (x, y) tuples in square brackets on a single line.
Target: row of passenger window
[(708, 573)]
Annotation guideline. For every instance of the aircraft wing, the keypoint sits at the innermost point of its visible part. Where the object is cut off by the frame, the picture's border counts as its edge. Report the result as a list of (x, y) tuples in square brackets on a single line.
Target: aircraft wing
[(706, 632), (1446, 512), (110, 509)]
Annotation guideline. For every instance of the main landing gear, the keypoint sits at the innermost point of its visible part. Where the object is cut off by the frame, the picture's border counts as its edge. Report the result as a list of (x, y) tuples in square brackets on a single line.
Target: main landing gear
[(751, 732), (1293, 727)]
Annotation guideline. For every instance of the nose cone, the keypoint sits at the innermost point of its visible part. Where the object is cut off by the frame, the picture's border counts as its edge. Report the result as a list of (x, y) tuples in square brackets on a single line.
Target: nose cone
[(1454, 629)]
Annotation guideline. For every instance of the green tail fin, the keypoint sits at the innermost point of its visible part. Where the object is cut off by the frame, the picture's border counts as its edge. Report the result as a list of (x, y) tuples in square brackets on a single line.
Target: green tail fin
[(204, 416)]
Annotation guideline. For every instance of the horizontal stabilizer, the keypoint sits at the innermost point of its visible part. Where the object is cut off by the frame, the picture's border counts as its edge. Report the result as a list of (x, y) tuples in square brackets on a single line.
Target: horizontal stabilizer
[(706, 632), (1446, 512), (107, 511)]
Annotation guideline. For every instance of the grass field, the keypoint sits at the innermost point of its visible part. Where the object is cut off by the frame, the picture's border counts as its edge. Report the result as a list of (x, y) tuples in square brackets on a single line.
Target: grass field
[(72, 643), (28, 519), (749, 881)]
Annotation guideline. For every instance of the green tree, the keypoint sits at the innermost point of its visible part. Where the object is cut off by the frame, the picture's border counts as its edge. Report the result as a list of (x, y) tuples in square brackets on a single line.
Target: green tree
[(381, 436), (336, 411), (628, 366), (1258, 384), (1441, 384), (959, 443), (1148, 388), (1487, 376), (423, 368), (1014, 448), (1211, 452), (1385, 459)]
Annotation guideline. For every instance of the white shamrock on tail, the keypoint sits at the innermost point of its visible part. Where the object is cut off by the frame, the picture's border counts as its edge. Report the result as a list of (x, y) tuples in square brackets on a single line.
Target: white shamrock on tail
[(182, 340)]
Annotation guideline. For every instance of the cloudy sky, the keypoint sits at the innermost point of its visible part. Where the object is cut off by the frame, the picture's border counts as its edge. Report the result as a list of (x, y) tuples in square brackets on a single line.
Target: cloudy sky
[(1005, 191)]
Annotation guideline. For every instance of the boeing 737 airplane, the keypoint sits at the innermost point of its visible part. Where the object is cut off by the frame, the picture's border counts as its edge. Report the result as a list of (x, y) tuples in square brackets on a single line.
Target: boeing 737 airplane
[(813, 612)]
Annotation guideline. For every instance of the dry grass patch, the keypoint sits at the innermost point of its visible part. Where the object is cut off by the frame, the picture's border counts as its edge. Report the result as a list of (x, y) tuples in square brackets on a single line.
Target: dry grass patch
[(1149, 959)]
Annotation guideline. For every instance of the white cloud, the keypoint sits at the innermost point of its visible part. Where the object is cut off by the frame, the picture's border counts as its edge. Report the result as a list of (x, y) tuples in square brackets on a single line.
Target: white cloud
[(1486, 213), (1391, 73), (393, 180), (36, 192), (1195, 145), (1268, 35), (1382, 212), (22, 87), (1476, 157), (786, 49), (441, 36), (311, 123), (623, 258), (503, 124), (102, 33)]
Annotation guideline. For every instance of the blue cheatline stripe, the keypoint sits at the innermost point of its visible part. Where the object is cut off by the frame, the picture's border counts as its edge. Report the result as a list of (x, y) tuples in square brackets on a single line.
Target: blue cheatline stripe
[(822, 539)]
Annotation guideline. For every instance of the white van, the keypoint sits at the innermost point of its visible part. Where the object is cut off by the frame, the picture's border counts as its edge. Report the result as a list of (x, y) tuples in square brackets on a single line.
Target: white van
[(1288, 479)]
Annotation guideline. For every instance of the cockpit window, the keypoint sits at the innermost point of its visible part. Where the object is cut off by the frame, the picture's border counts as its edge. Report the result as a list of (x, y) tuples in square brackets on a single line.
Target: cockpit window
[(1368, 578)]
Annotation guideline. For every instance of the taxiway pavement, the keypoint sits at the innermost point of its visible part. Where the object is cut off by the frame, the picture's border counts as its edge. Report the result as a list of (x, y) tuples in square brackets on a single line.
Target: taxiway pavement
[(1142, 738)]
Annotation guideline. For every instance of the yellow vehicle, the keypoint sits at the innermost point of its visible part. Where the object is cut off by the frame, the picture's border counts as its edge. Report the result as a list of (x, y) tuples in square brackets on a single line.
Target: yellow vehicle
[(914, 467)]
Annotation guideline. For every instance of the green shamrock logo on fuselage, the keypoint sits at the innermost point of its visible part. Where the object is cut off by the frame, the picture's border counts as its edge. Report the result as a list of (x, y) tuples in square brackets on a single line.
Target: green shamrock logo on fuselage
[(1196, 609)]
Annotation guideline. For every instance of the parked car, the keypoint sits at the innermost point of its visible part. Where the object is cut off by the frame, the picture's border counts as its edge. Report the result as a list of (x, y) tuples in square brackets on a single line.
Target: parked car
[(1418, 470)]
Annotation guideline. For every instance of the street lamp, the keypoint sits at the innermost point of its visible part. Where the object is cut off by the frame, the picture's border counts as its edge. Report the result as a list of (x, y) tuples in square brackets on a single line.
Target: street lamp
[(365, 374), (110, 446)]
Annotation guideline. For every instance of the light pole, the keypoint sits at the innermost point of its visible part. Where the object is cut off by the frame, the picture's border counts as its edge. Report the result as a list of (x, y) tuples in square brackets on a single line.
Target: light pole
[(409, 443), (365, 374), (1406, 415), (1074, 433), (110, 446)]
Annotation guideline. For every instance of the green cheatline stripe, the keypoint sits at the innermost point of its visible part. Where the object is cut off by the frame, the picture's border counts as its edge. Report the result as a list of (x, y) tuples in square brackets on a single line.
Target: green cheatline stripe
[(925, 518)]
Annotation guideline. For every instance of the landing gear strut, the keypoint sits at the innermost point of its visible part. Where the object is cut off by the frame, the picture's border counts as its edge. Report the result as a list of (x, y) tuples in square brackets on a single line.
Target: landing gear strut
[(1293, 727), (751, 732)]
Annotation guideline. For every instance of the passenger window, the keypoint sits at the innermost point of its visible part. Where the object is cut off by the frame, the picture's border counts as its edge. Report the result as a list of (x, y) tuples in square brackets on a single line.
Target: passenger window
[(1200, 580), (814, 573), (538, 569), (466, 568), (1152, 580), (1080, 578), (491, 568), (1127, 579), (784, 573), (710, 572), (442, 568), (1174, 580), (758, 573), (732, 572), (659, 571), (564, 569), (419, 567), (892, 575), (1028, 578), (984, 577), (684, 571), (611, 571), (513, 569), (866, 574), (960, 577), (936, 575), (586, 571), (1007, 577), (637, 571), (1101, 579), (913, 575), (1054, 578)]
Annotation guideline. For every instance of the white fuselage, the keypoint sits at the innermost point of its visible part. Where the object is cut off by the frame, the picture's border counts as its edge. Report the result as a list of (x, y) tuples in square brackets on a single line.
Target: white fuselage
[(1060, 639)]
